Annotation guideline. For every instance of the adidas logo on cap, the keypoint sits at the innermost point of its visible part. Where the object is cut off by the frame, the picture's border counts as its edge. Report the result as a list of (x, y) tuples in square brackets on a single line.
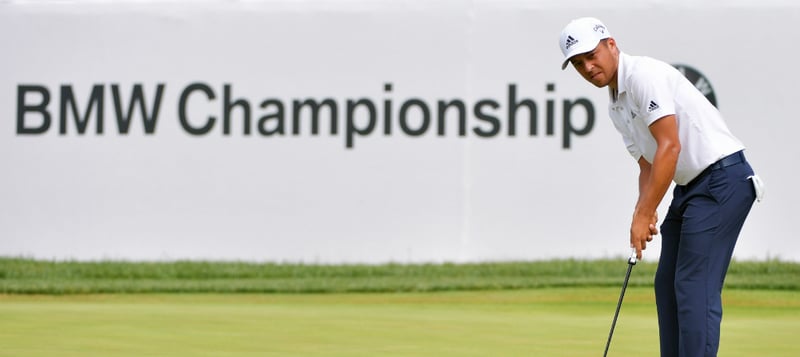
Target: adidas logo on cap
[(571, 41), (653, 106)]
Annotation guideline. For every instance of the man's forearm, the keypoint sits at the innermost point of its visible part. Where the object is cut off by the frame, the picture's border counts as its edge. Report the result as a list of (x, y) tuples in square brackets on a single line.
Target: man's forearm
[(656, 179)]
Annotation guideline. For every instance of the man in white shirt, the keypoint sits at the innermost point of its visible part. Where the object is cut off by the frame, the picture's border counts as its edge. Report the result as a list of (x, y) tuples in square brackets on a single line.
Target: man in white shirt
[(675, 134)]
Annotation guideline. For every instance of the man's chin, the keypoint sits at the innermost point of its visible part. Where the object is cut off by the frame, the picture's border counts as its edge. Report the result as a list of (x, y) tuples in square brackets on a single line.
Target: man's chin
[(600, 81)]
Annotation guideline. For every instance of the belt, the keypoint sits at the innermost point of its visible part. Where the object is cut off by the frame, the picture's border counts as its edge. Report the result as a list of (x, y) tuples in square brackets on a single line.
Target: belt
[(730, 160)]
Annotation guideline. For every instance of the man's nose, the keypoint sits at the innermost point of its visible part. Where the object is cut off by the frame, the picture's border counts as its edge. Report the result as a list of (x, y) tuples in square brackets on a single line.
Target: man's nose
[(587, 66)]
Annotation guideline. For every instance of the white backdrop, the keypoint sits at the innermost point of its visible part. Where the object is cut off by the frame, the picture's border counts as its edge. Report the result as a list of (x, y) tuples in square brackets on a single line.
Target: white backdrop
[(170, 194)]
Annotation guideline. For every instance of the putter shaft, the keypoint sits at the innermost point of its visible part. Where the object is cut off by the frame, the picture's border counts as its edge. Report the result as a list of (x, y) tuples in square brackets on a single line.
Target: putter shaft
[(631, 263)]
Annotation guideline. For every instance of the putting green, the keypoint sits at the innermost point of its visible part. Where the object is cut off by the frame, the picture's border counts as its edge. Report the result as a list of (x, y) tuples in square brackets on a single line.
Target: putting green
[(545, 322)]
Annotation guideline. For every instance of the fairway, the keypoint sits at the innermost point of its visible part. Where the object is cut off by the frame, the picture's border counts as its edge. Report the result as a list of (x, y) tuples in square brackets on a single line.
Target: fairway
[(538, 322)]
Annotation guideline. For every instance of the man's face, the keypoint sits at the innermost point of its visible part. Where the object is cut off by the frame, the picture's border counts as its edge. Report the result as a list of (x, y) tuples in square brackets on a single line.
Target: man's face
[(599, 66)]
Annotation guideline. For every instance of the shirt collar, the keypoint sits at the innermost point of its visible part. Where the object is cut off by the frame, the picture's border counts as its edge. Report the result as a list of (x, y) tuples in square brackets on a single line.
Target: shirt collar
[(621, 88)]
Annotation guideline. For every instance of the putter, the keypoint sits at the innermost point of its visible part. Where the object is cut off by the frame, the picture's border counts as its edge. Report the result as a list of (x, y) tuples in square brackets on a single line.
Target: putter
[(631, 263)]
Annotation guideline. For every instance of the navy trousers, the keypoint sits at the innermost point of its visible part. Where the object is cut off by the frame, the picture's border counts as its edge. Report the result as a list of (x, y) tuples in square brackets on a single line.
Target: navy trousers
[(698, 236)]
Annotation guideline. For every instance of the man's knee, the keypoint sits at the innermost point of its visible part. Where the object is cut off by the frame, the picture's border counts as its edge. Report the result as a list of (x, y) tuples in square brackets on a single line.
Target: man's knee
[(664, 281)]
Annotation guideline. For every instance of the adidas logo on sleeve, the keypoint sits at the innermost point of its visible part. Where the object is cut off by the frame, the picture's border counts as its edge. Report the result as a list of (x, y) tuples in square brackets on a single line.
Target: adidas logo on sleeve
[(653, 106)]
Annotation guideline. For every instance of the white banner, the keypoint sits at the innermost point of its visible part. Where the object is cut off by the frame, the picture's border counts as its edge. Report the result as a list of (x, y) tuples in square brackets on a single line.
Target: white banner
[(357, 131)]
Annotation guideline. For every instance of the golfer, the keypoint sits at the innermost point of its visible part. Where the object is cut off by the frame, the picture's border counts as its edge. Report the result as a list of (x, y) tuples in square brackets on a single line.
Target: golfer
[(675, 134)]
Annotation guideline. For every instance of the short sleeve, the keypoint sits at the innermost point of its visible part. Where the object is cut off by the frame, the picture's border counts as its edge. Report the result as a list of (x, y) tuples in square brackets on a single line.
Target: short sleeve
[(653, 92)]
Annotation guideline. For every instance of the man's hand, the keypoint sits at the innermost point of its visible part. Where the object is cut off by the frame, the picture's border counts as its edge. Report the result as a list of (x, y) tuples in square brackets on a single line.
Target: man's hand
[(654, 226), (643, 228)]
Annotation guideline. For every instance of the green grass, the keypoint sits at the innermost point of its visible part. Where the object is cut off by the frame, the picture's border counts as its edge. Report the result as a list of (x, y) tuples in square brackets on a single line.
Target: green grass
[(553, 308), (27, 276), (549, 322)]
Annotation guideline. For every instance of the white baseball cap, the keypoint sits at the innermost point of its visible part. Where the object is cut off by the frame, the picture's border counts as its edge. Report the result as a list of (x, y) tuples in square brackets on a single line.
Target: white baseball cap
[(581, 36)]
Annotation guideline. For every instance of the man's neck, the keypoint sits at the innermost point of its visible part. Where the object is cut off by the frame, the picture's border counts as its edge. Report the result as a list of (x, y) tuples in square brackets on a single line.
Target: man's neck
[(613, 84)]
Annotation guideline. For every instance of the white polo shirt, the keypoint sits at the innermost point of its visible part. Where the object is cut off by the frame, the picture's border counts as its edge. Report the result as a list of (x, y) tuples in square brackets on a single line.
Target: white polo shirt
[(648, 90)]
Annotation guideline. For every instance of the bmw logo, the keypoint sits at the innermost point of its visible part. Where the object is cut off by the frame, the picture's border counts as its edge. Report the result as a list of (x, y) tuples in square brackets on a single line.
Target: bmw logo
[(699, 80)]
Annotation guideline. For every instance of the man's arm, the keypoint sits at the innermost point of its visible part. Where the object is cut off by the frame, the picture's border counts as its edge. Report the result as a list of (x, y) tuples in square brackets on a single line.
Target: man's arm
[(654, 180)]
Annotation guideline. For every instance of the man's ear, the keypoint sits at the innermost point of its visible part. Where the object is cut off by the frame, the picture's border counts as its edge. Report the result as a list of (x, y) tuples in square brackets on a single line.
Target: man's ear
[(612, 44)]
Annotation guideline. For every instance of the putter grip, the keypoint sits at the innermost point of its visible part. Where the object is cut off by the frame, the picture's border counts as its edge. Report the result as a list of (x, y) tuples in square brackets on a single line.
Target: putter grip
[(632, 259)]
